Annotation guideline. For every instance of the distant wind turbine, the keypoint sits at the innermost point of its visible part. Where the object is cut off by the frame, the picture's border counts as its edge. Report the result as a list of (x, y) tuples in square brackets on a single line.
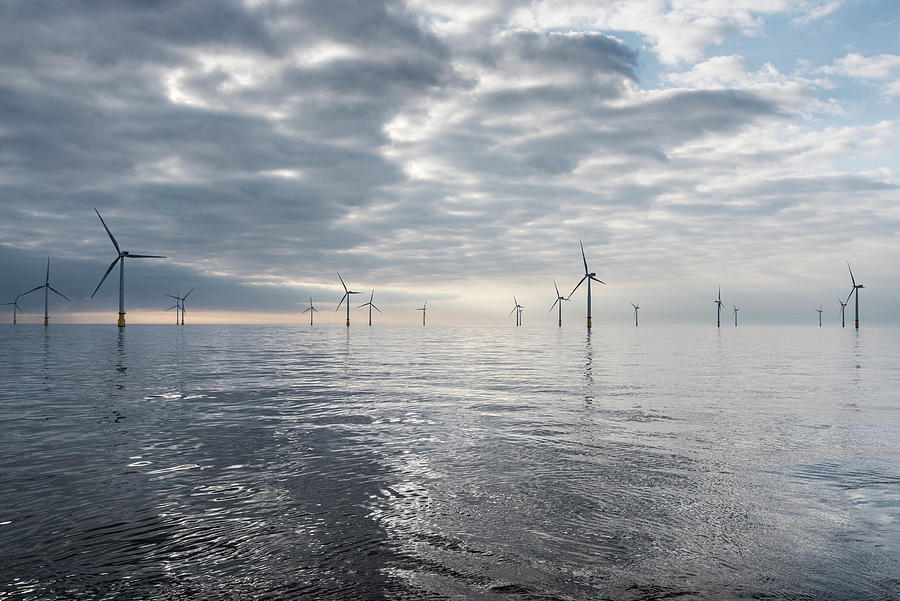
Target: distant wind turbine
[(121, 260), (177, 307), (346, 297), (636, 307), (181, 300), (517, 309), (559, 301), (588, 275), (819, 310), (47, 287), (843, 306), (311, 310), (371, 306), (735, 313), (719, 305), (855, 289), (423, 309), (16, 307)]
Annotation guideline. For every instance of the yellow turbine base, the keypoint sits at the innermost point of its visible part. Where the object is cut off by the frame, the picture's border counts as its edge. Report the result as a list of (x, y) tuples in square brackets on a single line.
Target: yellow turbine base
[(589, 322), (857, 324), (560, 323), (348, 323), (121, 322), (46, 321)]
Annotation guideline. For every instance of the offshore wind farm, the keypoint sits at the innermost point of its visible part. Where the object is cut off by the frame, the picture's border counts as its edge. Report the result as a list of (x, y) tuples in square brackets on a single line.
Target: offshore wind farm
[(633, 439)]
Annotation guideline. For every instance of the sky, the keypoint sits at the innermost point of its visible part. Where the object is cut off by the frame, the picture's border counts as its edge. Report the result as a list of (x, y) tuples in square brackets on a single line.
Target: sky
[(451, 151)]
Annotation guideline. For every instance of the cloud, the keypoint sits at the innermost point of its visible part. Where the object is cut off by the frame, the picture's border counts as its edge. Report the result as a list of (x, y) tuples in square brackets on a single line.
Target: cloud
[(881, 69)]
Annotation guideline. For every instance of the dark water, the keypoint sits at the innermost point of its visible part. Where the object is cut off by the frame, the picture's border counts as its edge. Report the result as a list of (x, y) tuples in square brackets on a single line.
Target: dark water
[(237, 462)]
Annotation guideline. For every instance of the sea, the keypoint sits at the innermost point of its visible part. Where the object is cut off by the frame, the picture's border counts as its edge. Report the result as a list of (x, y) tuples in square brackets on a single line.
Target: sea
[(438, 462)]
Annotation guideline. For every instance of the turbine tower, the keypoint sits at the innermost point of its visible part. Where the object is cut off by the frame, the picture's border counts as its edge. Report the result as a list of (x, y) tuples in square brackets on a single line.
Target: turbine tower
[(371, 306), (855, 289), (346, 297), (47, 288), (311, 310), (517, 309), (636, 307), (719, 305), (588, 275), (120, 259), (735, 313), (819, 310), (423, 308), (843, 306), (559, 301), (16, 307)]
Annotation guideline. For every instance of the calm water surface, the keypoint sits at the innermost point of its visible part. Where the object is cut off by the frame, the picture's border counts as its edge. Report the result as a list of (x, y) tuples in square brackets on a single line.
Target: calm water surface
[(238, 462)]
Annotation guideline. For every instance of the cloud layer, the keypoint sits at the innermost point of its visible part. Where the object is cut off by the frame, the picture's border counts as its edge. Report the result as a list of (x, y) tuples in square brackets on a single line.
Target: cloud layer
[(457, 154)]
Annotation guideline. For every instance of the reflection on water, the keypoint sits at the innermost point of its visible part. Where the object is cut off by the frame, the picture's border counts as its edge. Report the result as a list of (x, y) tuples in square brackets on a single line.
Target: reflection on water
[(440, 463)]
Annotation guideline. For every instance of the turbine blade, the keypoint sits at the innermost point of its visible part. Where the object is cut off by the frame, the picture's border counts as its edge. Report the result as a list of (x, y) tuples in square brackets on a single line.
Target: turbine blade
[(342, 281), (146, 257), (596, 280), (556, 288), (346, 296), (170, 296), (307, 310), (110, 268), (188, 294), (583, 257), (33, 289), (173, 307), (510, 313), (111, 237), (372, 296), (58, 292), (851, 274), (47, 281), (576, 287), (377, 309), (553, 305), (363, 305)]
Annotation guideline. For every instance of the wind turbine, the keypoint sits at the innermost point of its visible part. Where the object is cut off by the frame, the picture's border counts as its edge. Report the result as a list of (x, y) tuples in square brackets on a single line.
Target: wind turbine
[(559, 299), (371, 306), (181, 300), (819, 310), (843, 306), (736, 309), (311, 310), (588, 275), (636, 307), (719, 305), (346, 297), (176, 306), (423, 309), (518, 311), (121, 260), (47, 287), (855, 288), (16, 307)]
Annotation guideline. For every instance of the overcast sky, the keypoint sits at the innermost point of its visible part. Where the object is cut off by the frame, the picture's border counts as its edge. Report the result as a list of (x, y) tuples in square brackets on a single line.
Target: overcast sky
[(454, 151)]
